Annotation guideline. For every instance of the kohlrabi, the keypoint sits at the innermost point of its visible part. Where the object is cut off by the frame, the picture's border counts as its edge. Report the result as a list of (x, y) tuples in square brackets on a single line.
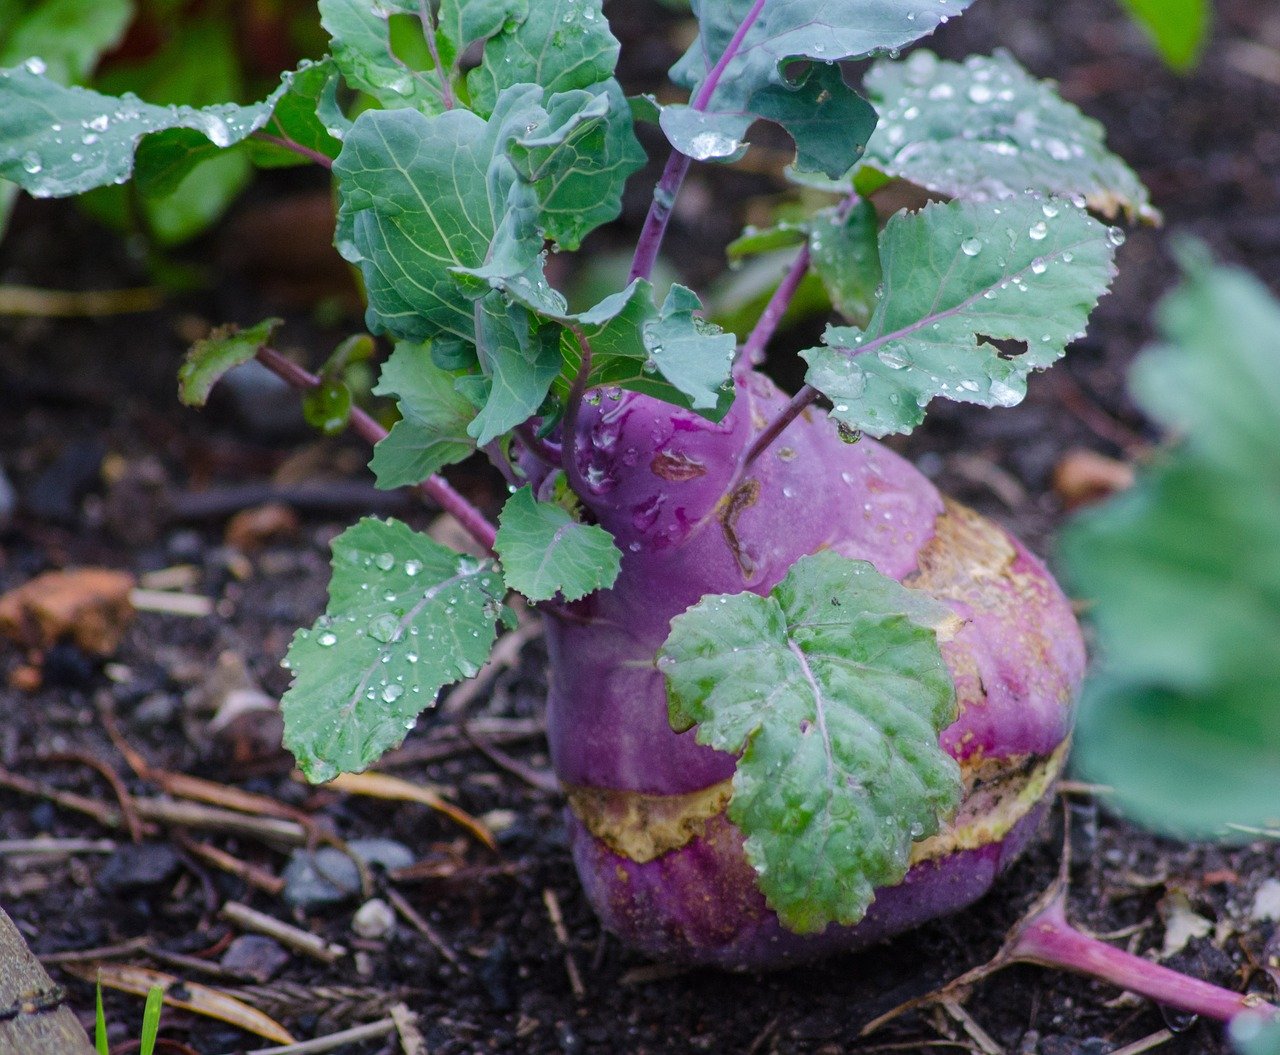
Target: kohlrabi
[(799, 701)]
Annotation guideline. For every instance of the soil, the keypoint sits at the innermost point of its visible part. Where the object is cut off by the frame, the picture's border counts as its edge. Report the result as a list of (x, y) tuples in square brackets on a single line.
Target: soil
[(109, 471)]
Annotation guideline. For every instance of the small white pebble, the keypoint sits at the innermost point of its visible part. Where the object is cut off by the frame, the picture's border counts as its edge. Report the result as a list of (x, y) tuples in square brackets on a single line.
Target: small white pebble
[(1266, 902), (375, 919)]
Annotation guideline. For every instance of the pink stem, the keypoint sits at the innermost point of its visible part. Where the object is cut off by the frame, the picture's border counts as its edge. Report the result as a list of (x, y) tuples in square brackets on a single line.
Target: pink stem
[(664, 194), (1048, 939), (288, 144), (767, 324), (437, 488)]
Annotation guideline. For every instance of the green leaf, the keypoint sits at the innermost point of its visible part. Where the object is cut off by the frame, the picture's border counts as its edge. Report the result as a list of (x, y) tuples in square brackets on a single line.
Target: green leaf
[(227, 347), (560, 45), (1254, 1035), (666, 352), (57, 141), (1184, 575), (432, 430), (756, 240), (986, 129), (427, 202), (1178, 28), (833, 690), (406, 616), (545, 552), (360, 41), (579, 181), (845, 254), (101, 1043), (461, 23), (151, 1012), (327, 407), (523, 358), (1024, 270), (828, 120), (66, 36)]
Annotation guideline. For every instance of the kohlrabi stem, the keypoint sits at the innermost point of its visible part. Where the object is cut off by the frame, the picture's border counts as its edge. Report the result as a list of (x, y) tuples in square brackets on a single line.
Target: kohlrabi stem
[(799, 402), (664, 194), (776, 309), (542, 449), (285, 143), (436, 488), (767, 324), (429, 32), (572, 408), (1048, 939)]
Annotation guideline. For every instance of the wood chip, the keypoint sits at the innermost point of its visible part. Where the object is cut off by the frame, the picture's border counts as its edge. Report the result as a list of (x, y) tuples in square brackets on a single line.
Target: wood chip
[(285, 933), (333, 1042), (169, 602), (1083, 477), (91, 606)]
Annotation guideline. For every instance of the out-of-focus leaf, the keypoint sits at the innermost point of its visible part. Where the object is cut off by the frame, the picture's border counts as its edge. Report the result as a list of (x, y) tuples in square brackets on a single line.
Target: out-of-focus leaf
[(1183, 572), (545, 552), (406, 616), (958, 276), (984, 129), (1178, 28), (1253, 1035), (66, 36), (833, 690), (209, 359), (57, 141)]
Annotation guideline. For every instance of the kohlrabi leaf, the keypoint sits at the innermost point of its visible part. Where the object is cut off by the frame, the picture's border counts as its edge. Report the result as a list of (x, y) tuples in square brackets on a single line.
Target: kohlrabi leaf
[(227, 347), (984, 129), (844, 252), (462, 23), (560, 45), (756, 240), (784, 68), (1178, 28), (57, 141), (360, 41), (1183, 576), (579, 180), (666, 352), (65, 36), (296, 118), (522, 358), (432, 430), (545, 552), (434, 212), (833, 690), (406, 616), (958, 276)]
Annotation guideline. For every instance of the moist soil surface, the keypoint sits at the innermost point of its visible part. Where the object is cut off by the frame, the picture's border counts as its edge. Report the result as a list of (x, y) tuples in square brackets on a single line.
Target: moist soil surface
[(109, 471)]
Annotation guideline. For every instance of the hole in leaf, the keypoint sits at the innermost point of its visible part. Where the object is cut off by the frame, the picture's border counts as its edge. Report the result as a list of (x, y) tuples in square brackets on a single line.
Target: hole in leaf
[(1005, 348)]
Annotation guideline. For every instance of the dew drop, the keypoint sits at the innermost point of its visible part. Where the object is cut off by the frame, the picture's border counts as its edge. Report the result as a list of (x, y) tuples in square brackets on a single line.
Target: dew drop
[(412, 567), (385, 627), (1115, 236), (392, 692), (971, 246), (31, 162), (384, 561), (327, 640), (1038, 266), (1038, 230)]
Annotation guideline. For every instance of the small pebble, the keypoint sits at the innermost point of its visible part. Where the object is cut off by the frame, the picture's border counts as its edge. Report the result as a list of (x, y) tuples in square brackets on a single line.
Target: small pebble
[(136, 868), (1266, 902), (375, 920), (255, 956), (385, 853), (325, 877)]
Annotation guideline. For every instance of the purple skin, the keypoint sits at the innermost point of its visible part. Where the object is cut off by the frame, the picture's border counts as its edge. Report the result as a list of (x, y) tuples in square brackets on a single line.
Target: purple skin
[(658, 476)]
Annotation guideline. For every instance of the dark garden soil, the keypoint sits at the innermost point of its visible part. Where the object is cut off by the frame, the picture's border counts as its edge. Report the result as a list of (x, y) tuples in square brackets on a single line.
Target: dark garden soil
[(109, 471)]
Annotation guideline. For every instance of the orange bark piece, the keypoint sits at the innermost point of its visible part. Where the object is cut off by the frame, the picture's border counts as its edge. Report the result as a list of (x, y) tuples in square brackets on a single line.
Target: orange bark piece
[(1083, 477), (88, 605)]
